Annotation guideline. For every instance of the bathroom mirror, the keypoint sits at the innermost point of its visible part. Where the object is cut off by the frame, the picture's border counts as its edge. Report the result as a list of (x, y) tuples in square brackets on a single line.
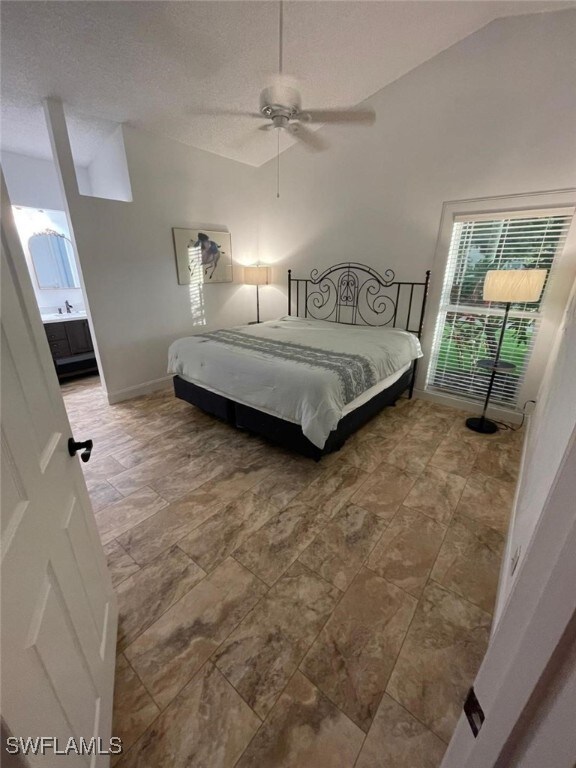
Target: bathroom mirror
[(53, 260)]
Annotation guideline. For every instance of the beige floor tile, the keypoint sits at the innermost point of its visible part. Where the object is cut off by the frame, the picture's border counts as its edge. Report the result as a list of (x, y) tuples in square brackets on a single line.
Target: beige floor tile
[(385, 490), (407, 550), (436, 493), (413, 452), (207, 726), (459, 433), (333, 487), (210, 543), (397, 740), (101, 467), (143, 474), (354, 654), (499, 460), (433, 421), (145, 541), (469, 561), (134, 708), (512, 437), (431, 438), (439, 659), (242, 449), (343, 545), (272, 549), (391, 422), (102, 494), (122, 515), (287, 481), (366, 450), (144, 596), (120, 564), (263, 652), (220, 481), (116, 440), (455, 457), (182, 480), (488, 501), (195, 507), (304, 730), (174, 442), (171, 650)]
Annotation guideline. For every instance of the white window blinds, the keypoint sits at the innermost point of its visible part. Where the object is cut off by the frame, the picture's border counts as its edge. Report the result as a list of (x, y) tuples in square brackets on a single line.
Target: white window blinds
[(467, 328)]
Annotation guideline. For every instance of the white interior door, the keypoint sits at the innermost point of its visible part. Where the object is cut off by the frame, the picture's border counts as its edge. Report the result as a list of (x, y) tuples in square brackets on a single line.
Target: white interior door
[(526, 683), (58, 609)]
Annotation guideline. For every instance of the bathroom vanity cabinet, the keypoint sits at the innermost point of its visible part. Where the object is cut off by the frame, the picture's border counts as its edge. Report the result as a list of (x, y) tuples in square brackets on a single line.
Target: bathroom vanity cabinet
[(71, 346)]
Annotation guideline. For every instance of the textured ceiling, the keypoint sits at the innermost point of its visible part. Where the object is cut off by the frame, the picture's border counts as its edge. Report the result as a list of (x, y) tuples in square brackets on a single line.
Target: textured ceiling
[(164, 66)]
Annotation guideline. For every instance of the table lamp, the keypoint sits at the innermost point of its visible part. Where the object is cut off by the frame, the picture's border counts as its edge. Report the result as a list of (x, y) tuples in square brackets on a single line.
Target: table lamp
[(257, 276), (509, 286)]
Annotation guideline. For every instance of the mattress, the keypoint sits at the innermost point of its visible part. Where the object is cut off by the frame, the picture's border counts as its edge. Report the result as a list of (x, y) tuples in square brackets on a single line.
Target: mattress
[(309, 372), (375, 390)]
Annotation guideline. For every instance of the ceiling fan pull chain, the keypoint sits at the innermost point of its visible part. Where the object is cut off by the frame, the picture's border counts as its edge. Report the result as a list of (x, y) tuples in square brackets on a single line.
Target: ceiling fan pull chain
[(278, 164)]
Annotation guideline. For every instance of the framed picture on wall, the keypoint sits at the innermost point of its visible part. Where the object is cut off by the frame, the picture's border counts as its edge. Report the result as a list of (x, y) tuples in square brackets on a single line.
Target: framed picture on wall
[(202, 256)]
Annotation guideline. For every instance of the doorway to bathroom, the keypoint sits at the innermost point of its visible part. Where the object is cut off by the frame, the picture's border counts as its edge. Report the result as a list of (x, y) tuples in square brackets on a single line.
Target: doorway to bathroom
[(55, 277)]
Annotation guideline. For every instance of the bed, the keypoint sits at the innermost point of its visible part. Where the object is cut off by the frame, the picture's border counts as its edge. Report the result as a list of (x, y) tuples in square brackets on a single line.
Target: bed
[(348, 347)]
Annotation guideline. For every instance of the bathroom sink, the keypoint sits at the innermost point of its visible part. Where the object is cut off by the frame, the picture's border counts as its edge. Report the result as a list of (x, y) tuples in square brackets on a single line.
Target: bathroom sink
[(53, 317)]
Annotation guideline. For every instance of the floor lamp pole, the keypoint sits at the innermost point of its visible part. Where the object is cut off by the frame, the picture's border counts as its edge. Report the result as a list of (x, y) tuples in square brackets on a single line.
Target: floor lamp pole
[(257, 304), (483, 424)]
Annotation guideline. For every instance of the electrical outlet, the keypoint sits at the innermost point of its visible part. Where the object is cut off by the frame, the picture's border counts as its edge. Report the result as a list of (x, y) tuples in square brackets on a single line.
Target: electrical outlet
[(529, 407), (515, 560)]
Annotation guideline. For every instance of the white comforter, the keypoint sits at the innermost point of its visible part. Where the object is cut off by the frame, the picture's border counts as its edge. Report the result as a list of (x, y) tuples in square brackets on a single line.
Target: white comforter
[(308, 379)]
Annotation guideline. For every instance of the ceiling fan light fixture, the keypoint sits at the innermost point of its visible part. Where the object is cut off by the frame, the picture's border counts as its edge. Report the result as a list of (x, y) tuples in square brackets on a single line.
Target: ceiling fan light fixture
[(280, 98)]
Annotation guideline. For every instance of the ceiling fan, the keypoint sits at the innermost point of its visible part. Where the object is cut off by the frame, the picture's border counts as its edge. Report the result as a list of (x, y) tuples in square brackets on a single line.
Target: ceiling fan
[(281, 104)]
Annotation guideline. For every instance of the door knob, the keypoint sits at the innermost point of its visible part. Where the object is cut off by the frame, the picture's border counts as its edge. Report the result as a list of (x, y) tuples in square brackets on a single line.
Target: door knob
[(85, 447)]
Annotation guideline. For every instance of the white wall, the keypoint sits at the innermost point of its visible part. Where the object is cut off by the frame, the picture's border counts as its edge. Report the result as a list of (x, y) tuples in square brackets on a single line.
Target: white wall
[(33, 182), (128, 264), (108, 170), (549, 431), (493, 115)]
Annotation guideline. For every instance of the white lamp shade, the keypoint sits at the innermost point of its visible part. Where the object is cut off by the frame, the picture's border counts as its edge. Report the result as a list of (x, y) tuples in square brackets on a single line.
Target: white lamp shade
[(256, 275), (514, 285)]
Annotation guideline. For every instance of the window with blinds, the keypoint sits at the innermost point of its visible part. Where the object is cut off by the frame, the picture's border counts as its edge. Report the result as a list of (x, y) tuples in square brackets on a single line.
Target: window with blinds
[(468, 328)]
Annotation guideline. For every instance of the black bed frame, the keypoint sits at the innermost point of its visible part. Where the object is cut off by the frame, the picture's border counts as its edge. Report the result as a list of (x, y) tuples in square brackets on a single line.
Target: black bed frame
[(348, 293)]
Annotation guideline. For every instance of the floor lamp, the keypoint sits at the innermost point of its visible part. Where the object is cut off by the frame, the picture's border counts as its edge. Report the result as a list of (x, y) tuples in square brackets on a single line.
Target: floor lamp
[(256, 276), (510, 286)]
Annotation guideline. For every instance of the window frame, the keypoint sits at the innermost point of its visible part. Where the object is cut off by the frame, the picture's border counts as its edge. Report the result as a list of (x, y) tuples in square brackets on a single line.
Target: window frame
[(557, 293)]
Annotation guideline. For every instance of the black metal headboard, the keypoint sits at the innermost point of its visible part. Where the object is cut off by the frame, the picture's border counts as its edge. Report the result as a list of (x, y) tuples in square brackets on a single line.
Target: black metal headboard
[(355, 294)]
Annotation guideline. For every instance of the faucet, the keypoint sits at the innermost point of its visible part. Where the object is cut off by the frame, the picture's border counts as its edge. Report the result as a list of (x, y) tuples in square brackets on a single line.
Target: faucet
[(69, 307)]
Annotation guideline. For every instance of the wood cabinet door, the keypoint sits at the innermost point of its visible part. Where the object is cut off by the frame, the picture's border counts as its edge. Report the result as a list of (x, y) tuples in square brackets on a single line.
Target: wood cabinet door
[(79, 338)]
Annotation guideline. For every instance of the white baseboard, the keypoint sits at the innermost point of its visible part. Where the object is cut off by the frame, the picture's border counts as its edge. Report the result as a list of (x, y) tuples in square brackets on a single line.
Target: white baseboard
[(139, 389), (501, 414)]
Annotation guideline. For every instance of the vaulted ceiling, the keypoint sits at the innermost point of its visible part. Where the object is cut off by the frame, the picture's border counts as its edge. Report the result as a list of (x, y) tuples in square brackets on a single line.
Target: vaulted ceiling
[(169, 67)]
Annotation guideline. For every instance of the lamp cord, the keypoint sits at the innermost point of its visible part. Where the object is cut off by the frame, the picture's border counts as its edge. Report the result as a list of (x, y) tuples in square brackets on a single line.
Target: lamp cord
[(509, 426)]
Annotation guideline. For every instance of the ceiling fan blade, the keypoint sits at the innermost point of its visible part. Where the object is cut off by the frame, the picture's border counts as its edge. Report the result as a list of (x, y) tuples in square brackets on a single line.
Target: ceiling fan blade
[(310, 139), (361, 116), (216, 112)]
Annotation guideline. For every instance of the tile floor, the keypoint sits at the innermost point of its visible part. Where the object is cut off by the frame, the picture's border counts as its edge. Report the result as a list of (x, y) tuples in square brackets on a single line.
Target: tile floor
[(276, 612)]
